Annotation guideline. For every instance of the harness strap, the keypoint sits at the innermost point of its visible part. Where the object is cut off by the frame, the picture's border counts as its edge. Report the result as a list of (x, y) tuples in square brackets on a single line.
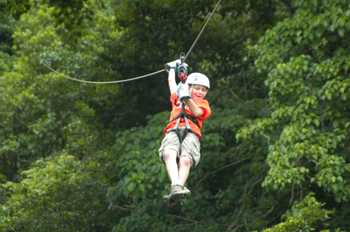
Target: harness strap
[(182, 132), (188, 116)]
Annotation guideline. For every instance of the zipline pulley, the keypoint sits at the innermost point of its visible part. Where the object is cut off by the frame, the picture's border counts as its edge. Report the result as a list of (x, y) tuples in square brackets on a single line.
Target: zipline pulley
[(182, 69)]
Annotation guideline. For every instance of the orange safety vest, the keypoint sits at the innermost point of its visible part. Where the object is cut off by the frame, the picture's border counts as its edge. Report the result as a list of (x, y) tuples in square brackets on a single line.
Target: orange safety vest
[(195, 125)]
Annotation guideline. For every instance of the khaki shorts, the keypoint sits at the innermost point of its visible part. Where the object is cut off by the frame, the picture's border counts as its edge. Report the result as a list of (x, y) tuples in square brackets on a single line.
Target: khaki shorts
[(190, 146)]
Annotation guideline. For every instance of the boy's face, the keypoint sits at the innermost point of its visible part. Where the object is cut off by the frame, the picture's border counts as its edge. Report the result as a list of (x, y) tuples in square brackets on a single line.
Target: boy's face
[(198, 91)]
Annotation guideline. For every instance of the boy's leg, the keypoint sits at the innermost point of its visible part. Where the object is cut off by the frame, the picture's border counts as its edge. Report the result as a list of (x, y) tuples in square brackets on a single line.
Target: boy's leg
[(185, 164), (169, 158), (168, 152), (190, 155)]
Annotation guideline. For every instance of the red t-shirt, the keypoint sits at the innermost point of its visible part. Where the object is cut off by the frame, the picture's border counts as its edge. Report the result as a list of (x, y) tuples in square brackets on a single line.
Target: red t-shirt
[(176, 110)]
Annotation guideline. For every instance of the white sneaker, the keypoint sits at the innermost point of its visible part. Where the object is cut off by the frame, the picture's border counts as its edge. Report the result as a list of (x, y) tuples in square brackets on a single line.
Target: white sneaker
[(179, 189), (185, 190)]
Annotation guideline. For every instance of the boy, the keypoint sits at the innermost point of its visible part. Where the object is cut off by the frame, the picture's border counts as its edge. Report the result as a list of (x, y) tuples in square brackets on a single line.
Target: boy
[(180, 147)]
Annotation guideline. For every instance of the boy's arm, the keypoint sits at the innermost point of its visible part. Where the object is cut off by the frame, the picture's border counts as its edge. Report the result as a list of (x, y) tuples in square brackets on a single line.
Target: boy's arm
[(183, 92), (196, 110), (172, 81)]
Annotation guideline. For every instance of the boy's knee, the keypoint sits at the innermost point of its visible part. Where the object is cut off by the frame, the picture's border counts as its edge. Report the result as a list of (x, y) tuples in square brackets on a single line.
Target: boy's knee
[(169, 155), (186, 161)]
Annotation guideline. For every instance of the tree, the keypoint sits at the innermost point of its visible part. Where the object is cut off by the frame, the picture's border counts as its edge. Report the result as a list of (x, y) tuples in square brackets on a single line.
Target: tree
[(43, 112), (58, 194), (305, 61)]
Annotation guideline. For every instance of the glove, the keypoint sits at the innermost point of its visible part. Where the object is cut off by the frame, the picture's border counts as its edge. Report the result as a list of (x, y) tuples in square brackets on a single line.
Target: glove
[(172, 64), (183, 91)]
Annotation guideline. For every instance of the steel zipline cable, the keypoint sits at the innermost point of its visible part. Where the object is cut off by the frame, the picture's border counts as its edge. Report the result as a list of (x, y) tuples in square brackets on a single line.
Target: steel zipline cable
[(105, 82), (209, 16)]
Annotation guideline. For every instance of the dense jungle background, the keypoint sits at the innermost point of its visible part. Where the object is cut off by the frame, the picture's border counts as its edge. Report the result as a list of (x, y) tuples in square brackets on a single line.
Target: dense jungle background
[(78, 157)]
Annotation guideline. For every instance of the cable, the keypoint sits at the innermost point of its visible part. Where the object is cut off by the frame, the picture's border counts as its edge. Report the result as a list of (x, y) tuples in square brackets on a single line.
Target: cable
[(209, 16), (105, 82), (201, 31)]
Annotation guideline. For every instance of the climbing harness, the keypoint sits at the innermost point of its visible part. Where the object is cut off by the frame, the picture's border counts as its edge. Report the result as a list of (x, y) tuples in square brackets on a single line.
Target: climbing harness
[(181, 132), (209, 16), (182, 72), (188, 116)]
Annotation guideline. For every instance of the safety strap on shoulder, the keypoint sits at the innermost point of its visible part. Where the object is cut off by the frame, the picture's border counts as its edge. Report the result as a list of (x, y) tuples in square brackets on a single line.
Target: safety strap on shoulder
[(187, 116), (182, 132)]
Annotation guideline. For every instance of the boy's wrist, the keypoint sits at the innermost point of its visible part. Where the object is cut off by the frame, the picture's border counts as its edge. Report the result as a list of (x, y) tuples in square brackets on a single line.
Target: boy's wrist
[(185, 99)]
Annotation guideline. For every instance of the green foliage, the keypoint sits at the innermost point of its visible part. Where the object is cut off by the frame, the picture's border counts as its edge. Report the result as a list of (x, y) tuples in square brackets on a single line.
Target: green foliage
[(42, 112), (306, 77), (78, 157), (304, 216), (5, 62), (140, 172), (61, 193), (6, 25)]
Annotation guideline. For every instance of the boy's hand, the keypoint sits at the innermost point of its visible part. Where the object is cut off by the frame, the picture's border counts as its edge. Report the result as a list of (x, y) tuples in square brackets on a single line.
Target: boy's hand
[(172, 64), (183, 91)]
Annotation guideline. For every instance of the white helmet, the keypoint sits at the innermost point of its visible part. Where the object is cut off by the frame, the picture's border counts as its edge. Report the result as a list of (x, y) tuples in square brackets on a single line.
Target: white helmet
[(198, 79)]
